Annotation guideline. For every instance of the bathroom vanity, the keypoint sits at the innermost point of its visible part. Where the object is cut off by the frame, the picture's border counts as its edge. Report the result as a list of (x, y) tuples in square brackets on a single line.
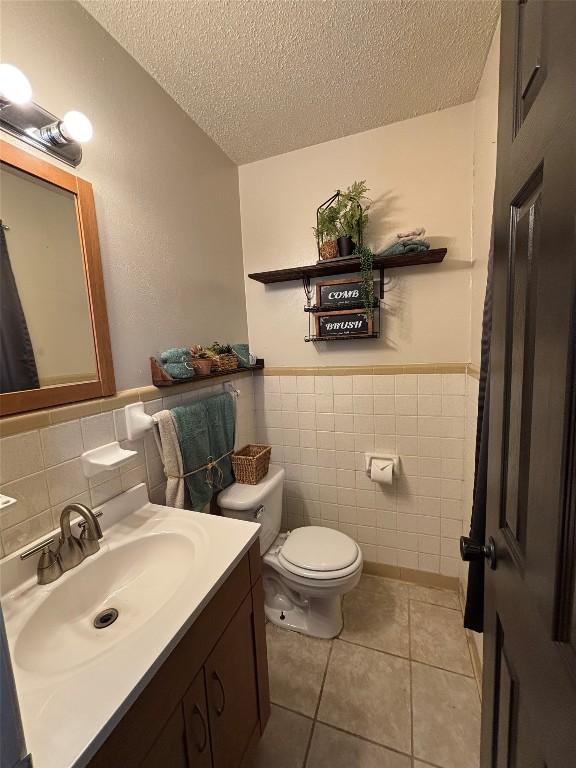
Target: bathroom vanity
[(179, 679), (208, 703)]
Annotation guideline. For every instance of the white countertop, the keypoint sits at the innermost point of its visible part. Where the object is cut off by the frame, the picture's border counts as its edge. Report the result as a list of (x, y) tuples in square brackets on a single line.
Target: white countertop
[(74, 682)]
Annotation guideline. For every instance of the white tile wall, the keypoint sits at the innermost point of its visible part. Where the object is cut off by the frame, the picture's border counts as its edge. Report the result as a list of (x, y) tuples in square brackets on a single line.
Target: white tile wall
[(321, 443), (42, 469), (319, 428)]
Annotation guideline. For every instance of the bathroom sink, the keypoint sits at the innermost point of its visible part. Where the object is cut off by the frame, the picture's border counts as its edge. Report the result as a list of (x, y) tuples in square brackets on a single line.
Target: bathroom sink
[(136, 579), (157, 567)]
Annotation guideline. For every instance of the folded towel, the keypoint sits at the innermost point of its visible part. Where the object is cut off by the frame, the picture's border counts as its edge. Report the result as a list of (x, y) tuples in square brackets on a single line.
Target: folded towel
[(179, 370), (419, 232), (206, 433), (169, 449), (242, 352), (406, 246), (174, 355)]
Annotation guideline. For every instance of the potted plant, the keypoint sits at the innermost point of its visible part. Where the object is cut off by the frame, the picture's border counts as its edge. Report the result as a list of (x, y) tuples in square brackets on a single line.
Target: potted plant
[(202, 363), (224, 358), (326, 232), (352, 208)]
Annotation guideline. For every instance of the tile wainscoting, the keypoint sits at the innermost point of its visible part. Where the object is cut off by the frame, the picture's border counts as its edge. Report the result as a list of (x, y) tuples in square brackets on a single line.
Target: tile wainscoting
[(41, 467), (320, 425), (319, 421)]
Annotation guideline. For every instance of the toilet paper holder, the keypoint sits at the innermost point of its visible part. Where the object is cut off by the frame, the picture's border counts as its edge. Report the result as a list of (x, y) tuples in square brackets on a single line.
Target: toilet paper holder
[(369, 457)]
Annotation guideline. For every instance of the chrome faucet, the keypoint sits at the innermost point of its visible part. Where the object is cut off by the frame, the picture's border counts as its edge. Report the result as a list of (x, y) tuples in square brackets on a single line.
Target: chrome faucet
[(71, 550)]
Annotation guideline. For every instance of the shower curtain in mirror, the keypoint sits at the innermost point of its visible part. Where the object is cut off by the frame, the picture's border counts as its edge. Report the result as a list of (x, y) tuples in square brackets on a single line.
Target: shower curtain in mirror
[(17, 362), (474, 612)]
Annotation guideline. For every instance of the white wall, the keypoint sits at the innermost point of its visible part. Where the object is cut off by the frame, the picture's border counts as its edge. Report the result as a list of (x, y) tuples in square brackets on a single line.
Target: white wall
[(485, 135), (166, 196), (420, 174)]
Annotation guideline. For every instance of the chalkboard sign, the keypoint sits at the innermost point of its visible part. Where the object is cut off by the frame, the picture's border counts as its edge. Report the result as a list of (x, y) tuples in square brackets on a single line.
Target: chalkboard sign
[(345, 322), (340, 293)]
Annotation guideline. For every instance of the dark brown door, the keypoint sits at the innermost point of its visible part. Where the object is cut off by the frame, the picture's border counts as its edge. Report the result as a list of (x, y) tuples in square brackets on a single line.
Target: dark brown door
[(231, 686), (169, 750), (529, 698), (197, 727)]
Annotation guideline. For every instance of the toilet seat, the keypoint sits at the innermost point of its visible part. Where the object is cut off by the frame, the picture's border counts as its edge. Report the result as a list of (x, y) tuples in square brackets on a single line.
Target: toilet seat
[(317, 554)]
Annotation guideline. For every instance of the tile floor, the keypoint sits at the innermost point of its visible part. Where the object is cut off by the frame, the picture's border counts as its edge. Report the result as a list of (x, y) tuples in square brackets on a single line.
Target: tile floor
[(395, 690)]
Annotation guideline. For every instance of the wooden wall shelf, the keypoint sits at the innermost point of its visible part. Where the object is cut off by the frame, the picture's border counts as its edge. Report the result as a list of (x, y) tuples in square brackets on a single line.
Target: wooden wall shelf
[(344, 266)]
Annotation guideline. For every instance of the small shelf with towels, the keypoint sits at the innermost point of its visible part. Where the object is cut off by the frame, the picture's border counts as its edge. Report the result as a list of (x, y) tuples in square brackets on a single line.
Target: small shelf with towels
[(160, 378), (347, 266)]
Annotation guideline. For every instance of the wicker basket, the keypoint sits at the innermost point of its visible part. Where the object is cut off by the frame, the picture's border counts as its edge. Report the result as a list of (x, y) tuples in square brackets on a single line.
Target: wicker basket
[(251, 463), (228, 362), (224, 363)]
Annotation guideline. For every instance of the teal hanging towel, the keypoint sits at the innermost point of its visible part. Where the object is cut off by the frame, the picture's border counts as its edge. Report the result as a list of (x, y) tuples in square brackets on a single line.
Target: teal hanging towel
[(206, 433)]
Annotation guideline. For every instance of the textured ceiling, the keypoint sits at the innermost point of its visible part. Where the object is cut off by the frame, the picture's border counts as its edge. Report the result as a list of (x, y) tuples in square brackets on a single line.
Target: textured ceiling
[(263, 77)]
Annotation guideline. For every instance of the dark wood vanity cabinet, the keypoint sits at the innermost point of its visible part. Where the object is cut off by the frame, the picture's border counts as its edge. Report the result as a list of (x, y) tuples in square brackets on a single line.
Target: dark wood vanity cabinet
[(208, 704)]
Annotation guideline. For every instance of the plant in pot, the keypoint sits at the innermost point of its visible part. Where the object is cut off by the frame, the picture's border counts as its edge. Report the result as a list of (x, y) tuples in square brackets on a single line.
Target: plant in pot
[(352, 208), (224, 355), (326, 232), (202, 362)]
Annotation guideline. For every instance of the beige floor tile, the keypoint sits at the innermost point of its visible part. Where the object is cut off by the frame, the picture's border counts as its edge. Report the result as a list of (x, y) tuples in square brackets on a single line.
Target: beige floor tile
[(446, 712), (284, 742), (296, 665), (420, 764), (380, 584), (437, 637), (377, 620), (368, 693), (435, 596), (333, 749)]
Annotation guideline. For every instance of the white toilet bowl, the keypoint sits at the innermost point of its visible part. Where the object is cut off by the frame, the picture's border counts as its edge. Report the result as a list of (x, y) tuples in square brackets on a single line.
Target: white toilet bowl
[(306, 571)]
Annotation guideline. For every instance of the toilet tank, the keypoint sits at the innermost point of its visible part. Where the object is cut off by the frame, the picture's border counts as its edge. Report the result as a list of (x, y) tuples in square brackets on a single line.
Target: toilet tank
[(261, 503)]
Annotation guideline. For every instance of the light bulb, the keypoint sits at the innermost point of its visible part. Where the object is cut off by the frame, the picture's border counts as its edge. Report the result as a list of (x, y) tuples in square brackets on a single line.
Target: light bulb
[(76, 127), (14, 85)]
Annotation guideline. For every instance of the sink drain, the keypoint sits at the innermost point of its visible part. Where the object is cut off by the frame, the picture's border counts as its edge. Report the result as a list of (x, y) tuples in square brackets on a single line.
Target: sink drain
[(105, 618)]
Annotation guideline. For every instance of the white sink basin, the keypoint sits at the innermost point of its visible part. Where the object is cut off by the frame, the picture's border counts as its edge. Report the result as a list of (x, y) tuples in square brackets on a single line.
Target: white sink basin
[(158, 567), (137, 579)]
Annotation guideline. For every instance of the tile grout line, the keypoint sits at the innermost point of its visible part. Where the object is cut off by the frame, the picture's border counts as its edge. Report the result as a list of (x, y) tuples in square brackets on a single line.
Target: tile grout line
[(368, 741), (314, 719), (411, 691), (317, 709), (338, 728), (408, 658)]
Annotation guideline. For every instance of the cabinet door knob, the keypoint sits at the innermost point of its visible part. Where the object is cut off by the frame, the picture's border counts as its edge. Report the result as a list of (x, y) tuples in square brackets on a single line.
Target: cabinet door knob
[(200, 744), (219, 709)]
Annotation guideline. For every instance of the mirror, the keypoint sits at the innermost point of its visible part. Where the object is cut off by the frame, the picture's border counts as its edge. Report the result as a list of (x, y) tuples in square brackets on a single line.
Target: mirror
[(54, 341)]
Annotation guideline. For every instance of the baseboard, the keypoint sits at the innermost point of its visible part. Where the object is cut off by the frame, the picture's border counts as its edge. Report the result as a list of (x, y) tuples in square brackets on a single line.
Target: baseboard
[(426, 578)]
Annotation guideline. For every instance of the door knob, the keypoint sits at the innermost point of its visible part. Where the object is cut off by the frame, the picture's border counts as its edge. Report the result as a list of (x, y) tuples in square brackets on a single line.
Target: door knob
[(473, 550)]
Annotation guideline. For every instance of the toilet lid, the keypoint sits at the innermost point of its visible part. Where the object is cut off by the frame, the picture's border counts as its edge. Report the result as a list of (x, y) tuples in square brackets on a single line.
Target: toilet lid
[(319, 549)]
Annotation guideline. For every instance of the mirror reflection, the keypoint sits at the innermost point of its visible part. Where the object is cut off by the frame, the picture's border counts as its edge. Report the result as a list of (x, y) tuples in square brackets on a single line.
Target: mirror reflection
[(46, 336)]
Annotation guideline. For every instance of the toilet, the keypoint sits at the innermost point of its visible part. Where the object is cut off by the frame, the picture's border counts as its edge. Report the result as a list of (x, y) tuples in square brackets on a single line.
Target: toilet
[(305, 571)]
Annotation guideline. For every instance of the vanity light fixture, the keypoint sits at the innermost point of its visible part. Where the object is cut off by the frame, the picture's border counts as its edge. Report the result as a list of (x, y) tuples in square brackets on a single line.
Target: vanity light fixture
[(74, 127), (15, 87), (31, 123)]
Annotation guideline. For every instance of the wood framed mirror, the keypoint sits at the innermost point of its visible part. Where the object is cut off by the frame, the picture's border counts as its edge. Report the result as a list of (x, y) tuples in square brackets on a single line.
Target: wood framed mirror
[(54, 336)]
